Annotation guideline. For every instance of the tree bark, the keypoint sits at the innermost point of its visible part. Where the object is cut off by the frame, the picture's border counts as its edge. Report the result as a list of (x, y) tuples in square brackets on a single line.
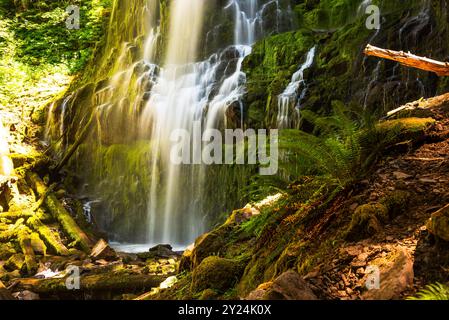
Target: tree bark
[(409, 60)]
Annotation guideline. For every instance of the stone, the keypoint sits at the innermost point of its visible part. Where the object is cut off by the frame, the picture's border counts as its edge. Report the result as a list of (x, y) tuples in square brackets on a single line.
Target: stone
[(102, 251), (396, 275), (288, 286), (26, 295), (160, 251), (215, 273), (401, 175), (169, 282), (438, 224)]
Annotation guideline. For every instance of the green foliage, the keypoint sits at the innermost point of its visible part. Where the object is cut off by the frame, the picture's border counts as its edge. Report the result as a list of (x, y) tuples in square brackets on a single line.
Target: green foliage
[(436, 291), (336, 150)]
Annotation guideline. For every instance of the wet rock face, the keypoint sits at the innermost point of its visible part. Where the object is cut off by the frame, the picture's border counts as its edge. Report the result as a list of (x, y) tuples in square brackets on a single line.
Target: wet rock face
[(288, 286), (340, 71), (438, 223)]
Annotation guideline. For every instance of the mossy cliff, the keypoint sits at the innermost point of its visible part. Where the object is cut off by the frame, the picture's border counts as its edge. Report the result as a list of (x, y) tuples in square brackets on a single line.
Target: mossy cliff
[(340, 71)]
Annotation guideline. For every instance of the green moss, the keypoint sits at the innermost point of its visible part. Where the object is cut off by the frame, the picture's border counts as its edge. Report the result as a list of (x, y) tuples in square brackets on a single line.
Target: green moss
[(367, 220), (215, 273), (6, 251)]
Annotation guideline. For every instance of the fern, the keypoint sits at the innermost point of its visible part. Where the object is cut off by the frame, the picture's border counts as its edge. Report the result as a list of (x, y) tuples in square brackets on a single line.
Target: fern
[(343, 145), (435, 291)]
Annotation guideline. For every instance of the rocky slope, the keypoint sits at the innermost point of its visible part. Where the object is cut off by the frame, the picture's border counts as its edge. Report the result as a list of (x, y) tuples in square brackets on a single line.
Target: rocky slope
[(300, 246)]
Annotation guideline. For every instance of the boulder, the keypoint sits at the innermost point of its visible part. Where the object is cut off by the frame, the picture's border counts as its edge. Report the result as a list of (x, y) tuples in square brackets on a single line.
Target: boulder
[(367, 220), (438, 224), (26, 295), (215, 273), (159, 251), (396, 275), (288, 286), (102, 250)]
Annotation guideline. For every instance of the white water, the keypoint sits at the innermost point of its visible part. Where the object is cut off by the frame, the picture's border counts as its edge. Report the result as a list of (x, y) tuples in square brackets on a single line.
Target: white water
[(149, 96), (184, 94), (291, 97)]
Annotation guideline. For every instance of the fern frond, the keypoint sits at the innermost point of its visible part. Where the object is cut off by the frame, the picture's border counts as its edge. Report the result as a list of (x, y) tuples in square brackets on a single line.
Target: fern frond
[(436, 291)]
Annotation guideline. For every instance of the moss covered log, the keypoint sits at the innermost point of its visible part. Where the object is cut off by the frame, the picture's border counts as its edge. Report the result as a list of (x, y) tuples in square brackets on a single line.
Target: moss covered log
[(58, 211), (112, 282), (51, 238)]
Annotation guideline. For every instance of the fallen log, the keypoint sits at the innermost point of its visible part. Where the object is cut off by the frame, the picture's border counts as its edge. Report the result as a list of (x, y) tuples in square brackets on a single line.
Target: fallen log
[(51, 239), (115, 282), (58, 211), (11, 232), (409, 60), (24, 237)]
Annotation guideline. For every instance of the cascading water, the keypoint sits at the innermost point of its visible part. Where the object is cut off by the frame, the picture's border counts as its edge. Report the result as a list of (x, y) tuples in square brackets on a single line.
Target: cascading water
[(184, 97), (145, 197), (291, 97)]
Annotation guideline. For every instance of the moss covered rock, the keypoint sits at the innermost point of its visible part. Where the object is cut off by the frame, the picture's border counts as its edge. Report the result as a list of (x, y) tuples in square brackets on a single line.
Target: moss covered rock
[(367, 220), (215, 273), (438, 223)]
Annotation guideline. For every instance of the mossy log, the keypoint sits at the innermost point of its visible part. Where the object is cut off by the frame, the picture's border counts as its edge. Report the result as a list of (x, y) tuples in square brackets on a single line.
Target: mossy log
[(24, 237), (114, 282), (7, 235), (409, 60), (51, 239), (58, 211)]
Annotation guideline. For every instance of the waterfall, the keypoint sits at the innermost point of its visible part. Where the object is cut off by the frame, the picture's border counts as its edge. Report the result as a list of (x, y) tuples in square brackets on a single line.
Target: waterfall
[(189, 92), (161, 83), (291, 95)]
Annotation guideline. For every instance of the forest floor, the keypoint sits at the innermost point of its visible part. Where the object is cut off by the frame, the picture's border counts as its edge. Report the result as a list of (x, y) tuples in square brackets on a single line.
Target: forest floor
[(408, 257)]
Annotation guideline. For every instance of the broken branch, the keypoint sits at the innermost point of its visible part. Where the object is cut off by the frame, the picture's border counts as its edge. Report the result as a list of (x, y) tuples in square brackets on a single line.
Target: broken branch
[(409, 60)]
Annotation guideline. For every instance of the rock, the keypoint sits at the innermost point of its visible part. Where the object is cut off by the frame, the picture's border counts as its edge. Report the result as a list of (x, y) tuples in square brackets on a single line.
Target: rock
[(159, 251), (401, 175), (185, 263), (427, 180), (169, 282), (209, 294), (288, 286), (438, 224), (215, 273), (396, 275), (102, 251), (26, 295), (367, 220)]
